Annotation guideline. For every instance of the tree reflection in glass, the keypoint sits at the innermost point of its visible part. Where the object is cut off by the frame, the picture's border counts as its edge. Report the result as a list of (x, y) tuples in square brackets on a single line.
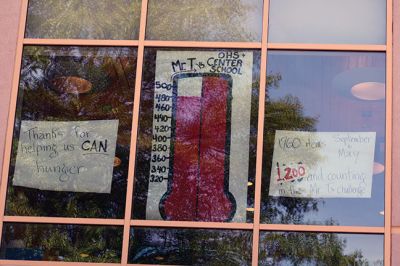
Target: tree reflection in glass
[(68, 243), (191, 20), (75, 84), (83, 19), (190, 246), (311, 91), (295, 248)]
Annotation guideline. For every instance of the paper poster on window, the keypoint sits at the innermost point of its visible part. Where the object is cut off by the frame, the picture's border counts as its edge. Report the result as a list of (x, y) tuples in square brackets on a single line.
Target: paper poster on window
[(66, 156), (199, 169), (322, 164)]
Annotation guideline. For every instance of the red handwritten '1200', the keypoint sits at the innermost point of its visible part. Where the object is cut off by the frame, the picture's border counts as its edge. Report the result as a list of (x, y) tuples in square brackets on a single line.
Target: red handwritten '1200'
[(290, 173)]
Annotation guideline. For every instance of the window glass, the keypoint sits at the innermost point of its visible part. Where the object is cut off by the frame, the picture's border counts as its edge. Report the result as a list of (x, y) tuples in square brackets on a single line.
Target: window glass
[(83, 19), (72, 132), (190, 246), (197, 135), (192, 20), (324, 138), (68, 243), (311, 249), (326, 21)]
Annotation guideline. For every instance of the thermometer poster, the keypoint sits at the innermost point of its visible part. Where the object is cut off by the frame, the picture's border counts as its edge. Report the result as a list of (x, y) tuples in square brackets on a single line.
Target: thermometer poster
[(201, 129), (322, 164)]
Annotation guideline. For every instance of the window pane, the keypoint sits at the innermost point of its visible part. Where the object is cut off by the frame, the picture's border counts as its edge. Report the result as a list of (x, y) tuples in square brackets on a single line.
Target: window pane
[(69, 243), (324, 138), (72, 132), (83, 19), (326, 21), (312, 249), (192, 20), (197, 135), (190, 246)]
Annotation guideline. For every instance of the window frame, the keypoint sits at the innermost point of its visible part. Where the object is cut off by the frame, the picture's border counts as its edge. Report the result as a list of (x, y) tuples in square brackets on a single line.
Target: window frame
[(264, 46)]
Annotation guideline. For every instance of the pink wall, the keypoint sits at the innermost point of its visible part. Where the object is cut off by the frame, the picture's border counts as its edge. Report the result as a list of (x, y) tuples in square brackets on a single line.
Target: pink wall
[(396, 134), (9, 19)]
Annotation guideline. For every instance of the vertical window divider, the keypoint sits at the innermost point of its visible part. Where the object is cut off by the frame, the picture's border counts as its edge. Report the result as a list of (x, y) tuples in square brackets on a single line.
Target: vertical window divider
[(260, 134), (135, 124), (12, 109), (388, 137)]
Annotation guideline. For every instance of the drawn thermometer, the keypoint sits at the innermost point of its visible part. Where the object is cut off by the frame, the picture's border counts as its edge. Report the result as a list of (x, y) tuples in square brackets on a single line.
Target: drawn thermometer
[(198, 177)]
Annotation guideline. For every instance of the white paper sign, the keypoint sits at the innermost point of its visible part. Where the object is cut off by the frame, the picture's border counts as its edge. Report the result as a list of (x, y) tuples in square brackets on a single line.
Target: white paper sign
[(66, 156), (322, 164), (197, 66)]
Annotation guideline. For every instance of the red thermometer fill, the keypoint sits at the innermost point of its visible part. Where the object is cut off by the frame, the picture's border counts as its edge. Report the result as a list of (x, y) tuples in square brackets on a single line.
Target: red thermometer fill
[(198, 183)]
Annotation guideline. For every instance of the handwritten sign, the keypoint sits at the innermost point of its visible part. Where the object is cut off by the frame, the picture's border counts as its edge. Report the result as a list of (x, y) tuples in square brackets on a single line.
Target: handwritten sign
[(182, 79), (66, 156), (322, 164)]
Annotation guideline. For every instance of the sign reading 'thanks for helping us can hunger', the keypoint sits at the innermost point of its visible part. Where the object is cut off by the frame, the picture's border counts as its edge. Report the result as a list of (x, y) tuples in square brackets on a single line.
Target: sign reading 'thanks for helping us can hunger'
[(74, 156)]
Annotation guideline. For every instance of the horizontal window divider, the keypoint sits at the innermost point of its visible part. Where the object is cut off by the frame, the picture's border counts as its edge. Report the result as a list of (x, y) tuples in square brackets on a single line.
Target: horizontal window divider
[(192, 44), (322, 228), (186, 224), (80, 42), (396, 230), (63, 220), (144, 264), (51, 263), (326, 47)]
